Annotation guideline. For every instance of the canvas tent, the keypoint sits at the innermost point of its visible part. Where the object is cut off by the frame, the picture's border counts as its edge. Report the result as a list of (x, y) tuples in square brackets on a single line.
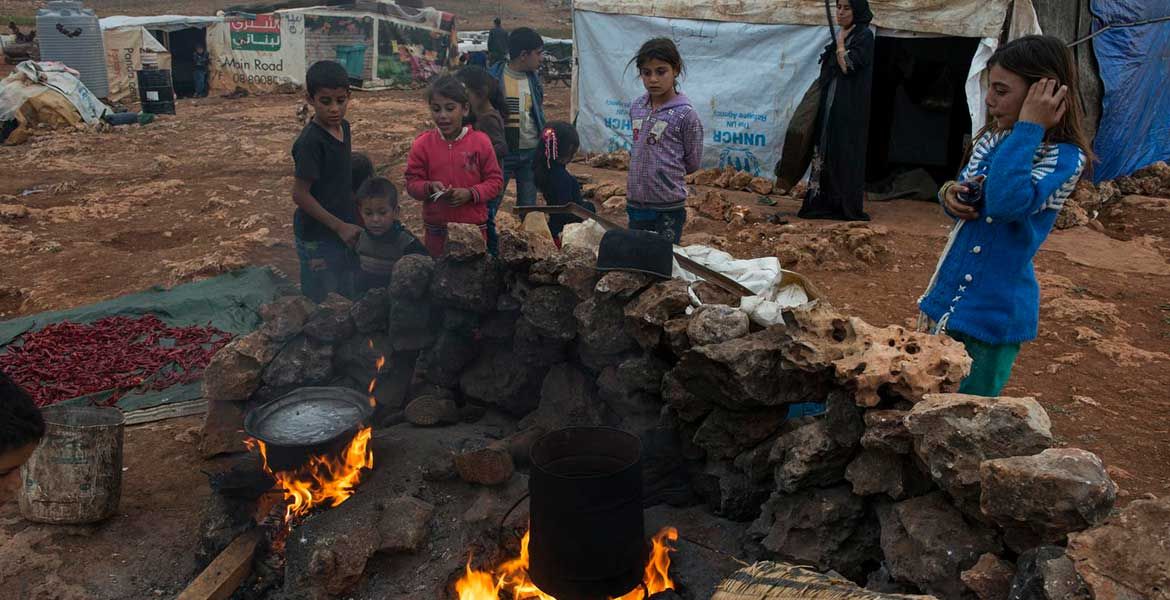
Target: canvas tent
[(749, 69), (167, 40)]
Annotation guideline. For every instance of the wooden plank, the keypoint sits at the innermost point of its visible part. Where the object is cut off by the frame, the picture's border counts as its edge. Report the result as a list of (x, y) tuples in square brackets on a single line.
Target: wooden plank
[(166, 411), (225, 574)]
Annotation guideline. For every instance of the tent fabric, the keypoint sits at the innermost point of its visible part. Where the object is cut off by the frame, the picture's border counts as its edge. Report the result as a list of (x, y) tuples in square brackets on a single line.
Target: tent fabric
[(229, 302), (1134, 64), (125, 47), (33, 78), (960, 18), (159, 22)]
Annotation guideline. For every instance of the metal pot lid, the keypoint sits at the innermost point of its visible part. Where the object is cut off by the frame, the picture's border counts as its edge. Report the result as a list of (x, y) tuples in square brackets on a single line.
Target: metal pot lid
[(308, 416)]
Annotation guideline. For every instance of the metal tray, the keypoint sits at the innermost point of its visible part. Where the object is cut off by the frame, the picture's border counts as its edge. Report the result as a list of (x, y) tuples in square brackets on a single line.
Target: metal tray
[(309, 416)]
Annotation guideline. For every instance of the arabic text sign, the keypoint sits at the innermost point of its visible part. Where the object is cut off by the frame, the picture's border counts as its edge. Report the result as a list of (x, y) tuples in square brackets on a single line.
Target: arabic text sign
[(262, 34)]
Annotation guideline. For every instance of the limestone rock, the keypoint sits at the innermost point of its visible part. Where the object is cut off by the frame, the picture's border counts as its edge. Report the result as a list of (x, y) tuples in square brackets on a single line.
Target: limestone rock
[(725, 434), (927, 542), (331, 322), (223, 429), (486, 464), (623, 284), (691, 408), (234, 372), (461, 322), (990, 578), (520, 249), (643, 373), (808, 455), (715, 324), (403, 524), (886, 431), (826, 528), (472, 285), (1045, 573), (1127, 557), (500, 379), (729, 493), (568, 398), (301, 362), (428, 411), (637, 410), (573, 267), (740, 181), (711, 205), (647, 313), (285, 317), (703, 177), (370, 312), (879, 472), (412, 276), (412, 326), (549, 309), (534, 349), (955, 433), (760, 186), (675, 333), (602, 327), (465, 242), (1053, 493), (443, 363), (754, 463)]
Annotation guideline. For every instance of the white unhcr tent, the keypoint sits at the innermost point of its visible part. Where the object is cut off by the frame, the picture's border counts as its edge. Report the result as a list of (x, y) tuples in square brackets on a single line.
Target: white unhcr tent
[(750, 63)]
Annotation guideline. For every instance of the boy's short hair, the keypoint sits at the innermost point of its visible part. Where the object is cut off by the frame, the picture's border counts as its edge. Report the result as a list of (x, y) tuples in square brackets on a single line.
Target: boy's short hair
[(21, 422), (361, 169), (523, 39), (324, 75), (380, 188)]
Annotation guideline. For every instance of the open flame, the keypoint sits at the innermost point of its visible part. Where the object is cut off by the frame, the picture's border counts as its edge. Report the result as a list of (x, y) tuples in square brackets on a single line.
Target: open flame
[(378, 364), (511, 578), (325, 480)]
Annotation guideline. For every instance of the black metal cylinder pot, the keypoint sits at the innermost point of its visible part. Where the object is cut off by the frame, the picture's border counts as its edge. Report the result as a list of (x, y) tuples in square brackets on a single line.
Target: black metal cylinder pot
[(587, 537)]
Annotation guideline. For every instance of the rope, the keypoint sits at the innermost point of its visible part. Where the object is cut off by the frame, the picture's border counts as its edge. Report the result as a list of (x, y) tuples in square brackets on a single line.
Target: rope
[(1118, 25)]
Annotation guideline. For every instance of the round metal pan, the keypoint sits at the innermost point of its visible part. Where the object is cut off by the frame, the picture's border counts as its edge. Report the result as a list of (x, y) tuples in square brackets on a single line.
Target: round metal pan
[(307, 421)]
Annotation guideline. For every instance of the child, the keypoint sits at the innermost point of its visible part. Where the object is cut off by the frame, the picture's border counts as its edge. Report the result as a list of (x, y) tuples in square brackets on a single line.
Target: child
[(559, 143), (199, 66), (483, 92), (361, 168), (21, 428), (452, 168), (384, 239), (324, 223), (668, 143), (524, 117), (1022, 167)]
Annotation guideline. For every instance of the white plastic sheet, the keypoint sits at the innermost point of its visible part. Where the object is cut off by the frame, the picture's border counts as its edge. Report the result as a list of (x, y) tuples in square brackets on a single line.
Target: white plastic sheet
[(31, 78), (746, 81), (763, 276)]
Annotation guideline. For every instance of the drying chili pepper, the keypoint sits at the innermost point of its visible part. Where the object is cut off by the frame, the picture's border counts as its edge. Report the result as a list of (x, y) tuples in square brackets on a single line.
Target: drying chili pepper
[(116, 354)]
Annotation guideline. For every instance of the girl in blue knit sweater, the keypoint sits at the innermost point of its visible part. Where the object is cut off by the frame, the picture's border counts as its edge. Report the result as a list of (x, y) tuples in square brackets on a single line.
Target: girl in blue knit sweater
[(1022, 168)]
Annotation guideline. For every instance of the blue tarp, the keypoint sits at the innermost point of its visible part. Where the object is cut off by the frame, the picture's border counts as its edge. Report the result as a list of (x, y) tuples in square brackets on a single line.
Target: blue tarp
[(1135, 68)]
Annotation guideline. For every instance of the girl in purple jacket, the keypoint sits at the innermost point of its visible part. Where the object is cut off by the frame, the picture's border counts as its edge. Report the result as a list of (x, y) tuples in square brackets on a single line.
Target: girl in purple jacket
[(668, 143)]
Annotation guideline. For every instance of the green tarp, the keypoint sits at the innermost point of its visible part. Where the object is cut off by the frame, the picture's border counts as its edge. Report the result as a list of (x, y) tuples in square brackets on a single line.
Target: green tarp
[(229, 302)]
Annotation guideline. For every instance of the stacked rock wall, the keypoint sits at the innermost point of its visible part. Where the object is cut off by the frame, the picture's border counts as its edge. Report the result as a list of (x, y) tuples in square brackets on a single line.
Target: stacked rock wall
[(899, 482)]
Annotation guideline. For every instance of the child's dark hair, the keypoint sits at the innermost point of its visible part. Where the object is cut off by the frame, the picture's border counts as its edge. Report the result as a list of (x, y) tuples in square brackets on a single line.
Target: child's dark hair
[(523, 39), (448, 87), (21, 422), (662, 49), (360, 169), (558, 139), (324, 75), (1036, 57), (477, 79), (379, 188)]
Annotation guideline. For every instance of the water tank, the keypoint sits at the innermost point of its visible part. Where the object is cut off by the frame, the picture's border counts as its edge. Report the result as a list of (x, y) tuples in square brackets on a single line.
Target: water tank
[(71, 34)]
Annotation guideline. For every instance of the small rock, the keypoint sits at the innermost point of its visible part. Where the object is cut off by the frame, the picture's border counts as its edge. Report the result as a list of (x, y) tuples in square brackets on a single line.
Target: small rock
[(234, 372), (879, 472), (725, 434), (300, 362), (520, 249), (715, 324), (550, 309), (675, 333), (371, 311), (13, 212), (490, 464), (285, 317), (331, 322), (535, 350), (711, 205), (472, 285), (1127, 557), (464, 242), (827, 528), (760, 186), (691, 408), (568, 398), (886, 431), (990, 578), (1053, 493), (646, 314), (809, 455), (223, 429), (499, 378), (1046, 568), (412, 276), (623, 284), (444, 362), (740, 181), (411, 325), (643, 373), (428, 411), (403, 524), (601, 324)]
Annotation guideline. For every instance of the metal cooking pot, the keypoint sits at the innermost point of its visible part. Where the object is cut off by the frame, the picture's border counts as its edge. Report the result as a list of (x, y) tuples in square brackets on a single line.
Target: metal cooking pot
[(587, 535), (310, 421)]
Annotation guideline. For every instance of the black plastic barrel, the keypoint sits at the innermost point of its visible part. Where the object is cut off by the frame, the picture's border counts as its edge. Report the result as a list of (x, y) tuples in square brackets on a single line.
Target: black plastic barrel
[(156, 92), (587, 540)]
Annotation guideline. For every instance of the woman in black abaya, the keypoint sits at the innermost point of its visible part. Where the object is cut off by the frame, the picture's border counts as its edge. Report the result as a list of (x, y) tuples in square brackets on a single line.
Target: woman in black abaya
[(837, 185)]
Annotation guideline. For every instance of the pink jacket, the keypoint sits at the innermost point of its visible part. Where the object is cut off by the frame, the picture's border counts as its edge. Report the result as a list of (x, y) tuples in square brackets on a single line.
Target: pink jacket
[(468, 162)]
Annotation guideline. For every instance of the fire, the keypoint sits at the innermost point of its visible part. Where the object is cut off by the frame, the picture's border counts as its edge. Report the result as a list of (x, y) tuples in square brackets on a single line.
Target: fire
[(378, 364), (324, 480), (511, 578)]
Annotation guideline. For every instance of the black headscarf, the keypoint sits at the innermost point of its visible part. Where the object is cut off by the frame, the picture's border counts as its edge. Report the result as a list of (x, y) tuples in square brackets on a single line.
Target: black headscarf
[(862, 15)]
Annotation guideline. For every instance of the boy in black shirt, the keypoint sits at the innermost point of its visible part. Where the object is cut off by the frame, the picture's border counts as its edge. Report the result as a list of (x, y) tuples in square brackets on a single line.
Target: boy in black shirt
[(324, 223), (200, 63), (21, 428), (384, 240)]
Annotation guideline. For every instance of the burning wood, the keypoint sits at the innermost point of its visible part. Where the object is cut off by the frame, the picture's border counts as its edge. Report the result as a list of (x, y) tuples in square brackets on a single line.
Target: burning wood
[(510, 579), (325, 480)]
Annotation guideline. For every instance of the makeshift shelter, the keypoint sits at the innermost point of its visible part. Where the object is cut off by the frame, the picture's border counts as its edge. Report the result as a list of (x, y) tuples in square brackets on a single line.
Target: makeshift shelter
[(380, 43), (171, 39), (749, 71), (44, 92)]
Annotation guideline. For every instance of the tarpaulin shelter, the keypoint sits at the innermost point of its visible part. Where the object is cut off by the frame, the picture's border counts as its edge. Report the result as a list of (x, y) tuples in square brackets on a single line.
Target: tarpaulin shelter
[(44, 92), (380, 43), (167, 40)]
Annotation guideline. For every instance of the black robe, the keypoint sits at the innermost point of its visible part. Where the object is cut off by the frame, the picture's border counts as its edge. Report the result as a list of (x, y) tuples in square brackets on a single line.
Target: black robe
[(837, 185)]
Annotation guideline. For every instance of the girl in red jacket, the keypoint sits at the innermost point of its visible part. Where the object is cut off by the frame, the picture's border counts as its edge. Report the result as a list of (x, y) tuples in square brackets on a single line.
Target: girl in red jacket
[(452, 169)]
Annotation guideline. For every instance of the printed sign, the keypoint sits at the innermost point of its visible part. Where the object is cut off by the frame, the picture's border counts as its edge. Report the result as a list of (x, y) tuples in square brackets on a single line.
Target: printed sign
[(261, 34), (744, 80)]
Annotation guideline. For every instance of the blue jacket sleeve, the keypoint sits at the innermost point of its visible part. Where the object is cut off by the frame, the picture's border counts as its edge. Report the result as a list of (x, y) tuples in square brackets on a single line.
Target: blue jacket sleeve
[(1026, 178)]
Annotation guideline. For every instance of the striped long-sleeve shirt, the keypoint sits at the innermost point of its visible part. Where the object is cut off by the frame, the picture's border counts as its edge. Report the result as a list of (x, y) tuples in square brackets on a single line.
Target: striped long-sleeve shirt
[(668, 144), (985, 285)]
